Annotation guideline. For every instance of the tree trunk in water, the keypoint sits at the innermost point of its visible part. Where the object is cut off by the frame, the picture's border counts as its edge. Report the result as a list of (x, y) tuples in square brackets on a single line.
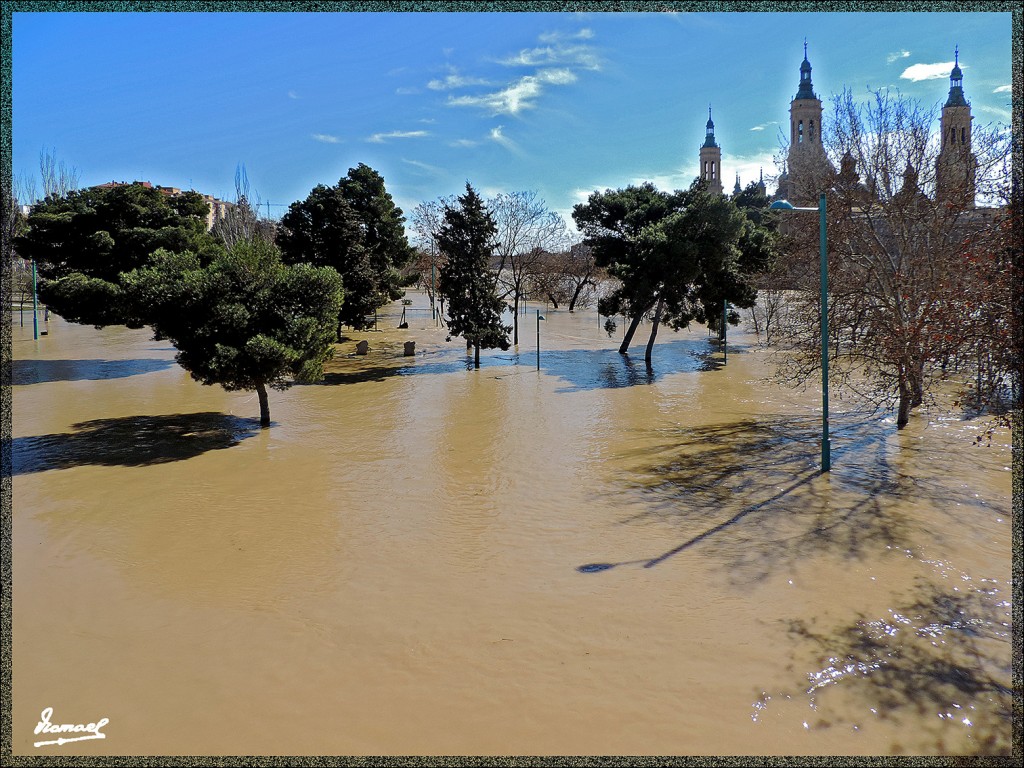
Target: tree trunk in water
[(576, 294), (917, 384), (903, 412), (654, 330), (261, 390), (553, 300), (476, 356), (629, 333), (515, 320)]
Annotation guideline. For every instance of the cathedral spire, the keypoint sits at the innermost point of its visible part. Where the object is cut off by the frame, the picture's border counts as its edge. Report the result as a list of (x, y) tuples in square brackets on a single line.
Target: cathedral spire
[(709, 133), (806, 91), (956, 83)]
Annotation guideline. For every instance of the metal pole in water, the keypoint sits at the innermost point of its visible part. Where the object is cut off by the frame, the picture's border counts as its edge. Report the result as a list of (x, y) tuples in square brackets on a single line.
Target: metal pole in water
[(826, 452), (35, 304), (538, 339)]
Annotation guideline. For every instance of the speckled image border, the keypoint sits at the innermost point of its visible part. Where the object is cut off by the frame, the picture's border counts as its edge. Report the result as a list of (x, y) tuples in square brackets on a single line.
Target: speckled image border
[(8, 7)]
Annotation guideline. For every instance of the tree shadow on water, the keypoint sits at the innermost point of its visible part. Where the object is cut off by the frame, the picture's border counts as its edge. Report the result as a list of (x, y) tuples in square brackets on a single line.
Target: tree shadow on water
[(942, 660), (587, 369), (24, 372), (751, 494), (131, 441)]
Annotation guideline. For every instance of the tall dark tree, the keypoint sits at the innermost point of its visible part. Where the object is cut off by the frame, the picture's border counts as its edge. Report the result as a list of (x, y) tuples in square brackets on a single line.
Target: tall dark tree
[(244, 321), (355, 228), (679, 256), (612, 223), (83, 241), (466, 238)]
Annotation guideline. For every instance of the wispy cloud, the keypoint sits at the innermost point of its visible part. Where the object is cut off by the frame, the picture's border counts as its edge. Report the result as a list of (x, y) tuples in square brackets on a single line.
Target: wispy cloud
[(554, 37), (380, 138), (455, 80), (762, 126), (406, 91), (293, 95), (326, 138), (432, 169), (498, 136), (574, 55), (917, 72), (1003, 89), (896, 56), (520, 95), (464, 143), (1002, 114)]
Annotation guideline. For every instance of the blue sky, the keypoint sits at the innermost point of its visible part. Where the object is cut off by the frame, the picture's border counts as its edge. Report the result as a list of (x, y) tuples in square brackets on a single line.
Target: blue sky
[(560, 103)]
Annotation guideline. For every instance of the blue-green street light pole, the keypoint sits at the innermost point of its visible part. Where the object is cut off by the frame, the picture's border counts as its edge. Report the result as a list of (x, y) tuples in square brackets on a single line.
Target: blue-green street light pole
[(35, 304), (539, 318), (785, 205)]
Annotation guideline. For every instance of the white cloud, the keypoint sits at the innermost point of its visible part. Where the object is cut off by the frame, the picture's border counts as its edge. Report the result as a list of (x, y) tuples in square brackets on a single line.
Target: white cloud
[(326, 138), (292, 95), (463, 143), (762, 126), (917, 72), (380, 138), (896, 56), (455, 81), (497, 135), (574, 55), (1003, 89), (406, 91), (554, 37), (433, 169), (520, 95), (1002, 114)]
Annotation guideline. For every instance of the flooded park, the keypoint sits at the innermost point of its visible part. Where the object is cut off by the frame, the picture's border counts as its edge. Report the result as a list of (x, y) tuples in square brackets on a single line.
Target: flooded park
[(422, 559)]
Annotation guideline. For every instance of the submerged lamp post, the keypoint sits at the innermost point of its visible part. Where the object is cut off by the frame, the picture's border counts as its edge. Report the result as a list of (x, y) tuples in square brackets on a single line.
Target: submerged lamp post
[(35, 304), (785, 205), (539, 318)]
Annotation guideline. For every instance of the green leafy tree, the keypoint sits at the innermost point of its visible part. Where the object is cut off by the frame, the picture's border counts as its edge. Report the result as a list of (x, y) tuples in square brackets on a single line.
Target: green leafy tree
[(84, 240), (466, 238), (355, 228), (679, 256), (612, 223), (246, 320)]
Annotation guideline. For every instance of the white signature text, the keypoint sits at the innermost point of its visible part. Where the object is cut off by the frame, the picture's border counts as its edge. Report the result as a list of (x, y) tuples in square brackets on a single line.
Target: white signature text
[(45, 726)]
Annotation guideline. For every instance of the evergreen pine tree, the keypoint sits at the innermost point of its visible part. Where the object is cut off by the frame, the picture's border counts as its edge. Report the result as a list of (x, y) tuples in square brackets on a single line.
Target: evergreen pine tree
[(466, 282)]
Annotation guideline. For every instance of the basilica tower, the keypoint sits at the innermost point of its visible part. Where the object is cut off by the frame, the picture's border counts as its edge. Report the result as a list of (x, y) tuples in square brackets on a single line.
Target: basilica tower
[(711, 159), (956, 166), (806, 163)]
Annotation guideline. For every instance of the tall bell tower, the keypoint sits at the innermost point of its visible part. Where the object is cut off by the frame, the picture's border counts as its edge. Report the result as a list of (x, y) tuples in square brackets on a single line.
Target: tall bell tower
[(711, 159), (806, 157), (956, 166)]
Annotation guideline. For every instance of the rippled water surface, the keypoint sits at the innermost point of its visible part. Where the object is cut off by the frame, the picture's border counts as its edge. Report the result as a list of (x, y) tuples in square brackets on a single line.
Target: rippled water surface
[(419, 559)]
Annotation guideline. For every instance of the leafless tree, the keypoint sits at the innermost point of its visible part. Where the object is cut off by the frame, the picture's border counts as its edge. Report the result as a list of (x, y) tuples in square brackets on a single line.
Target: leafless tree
[(911, 277), (58, 178), (527, 230), (568, 277), (426, 221), (241, 221)]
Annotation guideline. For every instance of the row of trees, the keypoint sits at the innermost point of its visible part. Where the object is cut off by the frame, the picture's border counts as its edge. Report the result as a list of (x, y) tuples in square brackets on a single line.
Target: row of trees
[(532, 253), (246, 305), (921, 289)]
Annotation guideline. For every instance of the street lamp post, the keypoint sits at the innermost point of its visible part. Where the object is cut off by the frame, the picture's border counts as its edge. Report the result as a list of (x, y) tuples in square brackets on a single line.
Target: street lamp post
[(785, 205), (539, 318), (35, 304)]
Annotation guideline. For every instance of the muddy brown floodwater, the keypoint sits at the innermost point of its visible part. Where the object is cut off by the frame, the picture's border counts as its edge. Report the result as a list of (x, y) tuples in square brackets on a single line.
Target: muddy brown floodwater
[(420, 559)]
